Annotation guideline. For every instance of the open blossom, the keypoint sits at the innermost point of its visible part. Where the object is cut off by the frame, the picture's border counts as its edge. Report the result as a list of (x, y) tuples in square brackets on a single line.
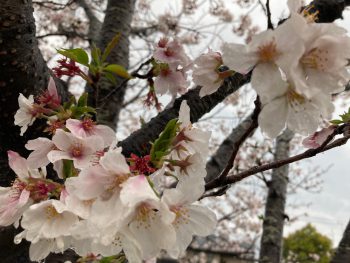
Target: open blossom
[(26, 114), (190, 139), (190, 219), (40, 147), (272, 47), (318, 138), (83, 152), (172, 81), (150, 219), (206, 73), (284, 106), (87, 127), (100, 180), (323, 65), (171, 52), (47, 221)]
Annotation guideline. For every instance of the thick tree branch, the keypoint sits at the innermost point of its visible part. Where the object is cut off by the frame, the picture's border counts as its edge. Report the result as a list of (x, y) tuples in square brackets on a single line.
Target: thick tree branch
[(138, 142)]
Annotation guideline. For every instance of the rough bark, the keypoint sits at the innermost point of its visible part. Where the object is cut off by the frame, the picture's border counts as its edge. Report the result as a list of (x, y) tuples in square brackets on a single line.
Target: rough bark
[(342, 253), (117, 20), (94, 24), (272, 237)]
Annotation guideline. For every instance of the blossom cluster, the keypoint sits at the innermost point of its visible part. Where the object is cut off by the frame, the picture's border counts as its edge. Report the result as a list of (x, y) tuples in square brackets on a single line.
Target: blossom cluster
[(106, 204), (295, 70)]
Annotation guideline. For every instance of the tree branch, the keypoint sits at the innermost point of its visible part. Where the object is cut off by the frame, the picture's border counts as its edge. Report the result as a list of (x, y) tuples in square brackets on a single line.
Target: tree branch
[(307, 154)]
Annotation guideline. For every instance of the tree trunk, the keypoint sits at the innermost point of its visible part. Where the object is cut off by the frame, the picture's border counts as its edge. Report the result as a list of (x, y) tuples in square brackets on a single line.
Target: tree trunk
[(342, 253), (272, 237), (117, 20)]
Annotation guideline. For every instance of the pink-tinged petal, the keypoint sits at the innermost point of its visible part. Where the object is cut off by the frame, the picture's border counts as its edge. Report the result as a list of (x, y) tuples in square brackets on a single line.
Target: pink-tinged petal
[(40, 147), (53, 91), (115, 162), (318, 138), (18, 164), (58, 167), (90, 183), (63, 140), (55, 156), (76, 128), (106, 133), (24, 197), (135, 190)]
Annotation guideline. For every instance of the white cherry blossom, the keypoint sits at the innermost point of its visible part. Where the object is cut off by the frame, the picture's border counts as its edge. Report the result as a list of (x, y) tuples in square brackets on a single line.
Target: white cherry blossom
[(26, 114), (83, 152)]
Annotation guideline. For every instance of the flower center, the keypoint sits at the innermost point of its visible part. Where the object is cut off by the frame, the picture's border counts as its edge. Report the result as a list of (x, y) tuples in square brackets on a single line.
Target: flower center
[(315, 59), (294, 99), (51, 212), (88, 124), (268, 52), (144, 214), (77, 150), (181, 214)]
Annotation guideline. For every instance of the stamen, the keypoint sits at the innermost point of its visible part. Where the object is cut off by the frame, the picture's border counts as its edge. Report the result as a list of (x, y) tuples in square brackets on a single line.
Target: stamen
[(268, 52)]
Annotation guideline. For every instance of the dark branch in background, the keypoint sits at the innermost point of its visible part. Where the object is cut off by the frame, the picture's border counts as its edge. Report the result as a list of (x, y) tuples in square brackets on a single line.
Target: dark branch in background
[(307, 154), (94, 24), (238, 143), (219, 160), (268, 14), (138, 142), (342, 254)]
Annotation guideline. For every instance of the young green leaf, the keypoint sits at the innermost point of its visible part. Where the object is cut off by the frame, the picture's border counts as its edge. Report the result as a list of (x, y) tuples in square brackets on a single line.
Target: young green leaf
[(110, 47), (119, 70), (161, 146), (77, 54)]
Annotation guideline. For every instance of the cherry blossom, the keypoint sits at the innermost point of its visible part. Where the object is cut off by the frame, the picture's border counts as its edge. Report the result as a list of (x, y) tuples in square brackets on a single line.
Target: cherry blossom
[(317, 139), (26, 114), (87, 127), (83, 152), (206, 72), (190, 219)]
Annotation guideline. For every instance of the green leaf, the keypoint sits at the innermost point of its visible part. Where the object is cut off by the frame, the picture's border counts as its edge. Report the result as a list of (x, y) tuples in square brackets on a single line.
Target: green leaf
[(161, 146), (110, 47), (336, 122), (77, 54), (69, 103), (96, 55), (77, 111), (83, 99), (68, 168), (119, 70), (110, 77)]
